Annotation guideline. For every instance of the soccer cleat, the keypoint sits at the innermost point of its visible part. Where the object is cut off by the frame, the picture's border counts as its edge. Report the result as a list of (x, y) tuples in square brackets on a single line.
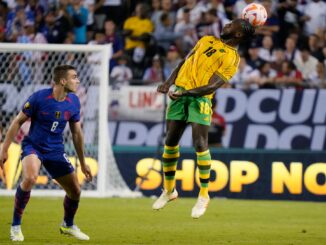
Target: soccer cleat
[(73, 231), (164, 198), (16, 234), (200, 207)]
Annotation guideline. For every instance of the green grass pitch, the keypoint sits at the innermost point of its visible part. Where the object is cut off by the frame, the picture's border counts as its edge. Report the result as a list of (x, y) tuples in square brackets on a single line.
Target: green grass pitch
[(131, 221)]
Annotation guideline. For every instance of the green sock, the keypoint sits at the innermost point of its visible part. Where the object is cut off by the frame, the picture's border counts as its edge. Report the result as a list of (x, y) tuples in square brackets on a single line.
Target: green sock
[(204, 166), (170, 160)]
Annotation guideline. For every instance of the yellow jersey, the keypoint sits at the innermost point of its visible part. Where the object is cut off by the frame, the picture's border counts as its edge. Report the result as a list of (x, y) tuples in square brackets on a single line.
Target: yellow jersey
[(210, 56), (138, 27)]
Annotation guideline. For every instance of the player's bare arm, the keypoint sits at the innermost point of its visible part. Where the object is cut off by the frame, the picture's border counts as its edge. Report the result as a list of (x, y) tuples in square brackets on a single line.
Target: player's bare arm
[(214, 83), (164, 87), (12, 131), (78, 139)]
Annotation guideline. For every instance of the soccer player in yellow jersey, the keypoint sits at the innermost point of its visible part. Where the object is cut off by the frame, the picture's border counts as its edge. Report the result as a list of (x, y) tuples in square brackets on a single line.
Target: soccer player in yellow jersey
[(210, 65)]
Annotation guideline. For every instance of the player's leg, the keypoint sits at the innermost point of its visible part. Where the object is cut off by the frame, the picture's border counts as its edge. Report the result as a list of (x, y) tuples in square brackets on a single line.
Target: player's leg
[(170, 158), (71, 201), (176, 124), (171, 152), (30, 168), (200, 117), (60, 168), (200, 139)]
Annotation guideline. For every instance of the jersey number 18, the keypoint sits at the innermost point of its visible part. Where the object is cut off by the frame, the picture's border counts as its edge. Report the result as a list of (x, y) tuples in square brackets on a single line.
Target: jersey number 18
[(209, 51)]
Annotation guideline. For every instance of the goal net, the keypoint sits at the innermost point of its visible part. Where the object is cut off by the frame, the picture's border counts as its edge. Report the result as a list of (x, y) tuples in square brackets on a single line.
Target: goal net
[(25, 69)]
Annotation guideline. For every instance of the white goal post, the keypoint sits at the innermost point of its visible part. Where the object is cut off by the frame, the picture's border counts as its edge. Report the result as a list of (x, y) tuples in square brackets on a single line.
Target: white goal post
[(26, 68)]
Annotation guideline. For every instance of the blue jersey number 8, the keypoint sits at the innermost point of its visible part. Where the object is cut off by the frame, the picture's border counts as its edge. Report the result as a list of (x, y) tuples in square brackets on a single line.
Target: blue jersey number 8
[(54, 126)]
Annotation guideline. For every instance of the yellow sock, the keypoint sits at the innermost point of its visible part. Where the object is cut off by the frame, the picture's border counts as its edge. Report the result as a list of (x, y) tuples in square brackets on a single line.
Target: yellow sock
[(170, 159), (204, 166)]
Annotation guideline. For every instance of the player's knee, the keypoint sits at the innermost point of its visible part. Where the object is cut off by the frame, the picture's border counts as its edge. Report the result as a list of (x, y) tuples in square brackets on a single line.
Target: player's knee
[(29, 181), (75, 192)]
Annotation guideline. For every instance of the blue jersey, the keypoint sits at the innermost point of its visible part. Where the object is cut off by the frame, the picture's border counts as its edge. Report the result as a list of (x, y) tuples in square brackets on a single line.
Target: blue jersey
[(49, 118)]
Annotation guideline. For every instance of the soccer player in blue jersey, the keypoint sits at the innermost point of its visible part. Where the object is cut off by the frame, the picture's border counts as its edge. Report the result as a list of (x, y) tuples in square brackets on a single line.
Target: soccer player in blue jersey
[(50, 110)]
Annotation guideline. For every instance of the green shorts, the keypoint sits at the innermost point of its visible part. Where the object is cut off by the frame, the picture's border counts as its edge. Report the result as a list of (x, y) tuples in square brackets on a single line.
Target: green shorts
[(190, 109)]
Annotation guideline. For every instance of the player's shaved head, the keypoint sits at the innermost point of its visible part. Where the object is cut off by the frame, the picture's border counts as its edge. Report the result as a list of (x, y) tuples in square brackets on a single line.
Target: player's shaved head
[(61, 71)]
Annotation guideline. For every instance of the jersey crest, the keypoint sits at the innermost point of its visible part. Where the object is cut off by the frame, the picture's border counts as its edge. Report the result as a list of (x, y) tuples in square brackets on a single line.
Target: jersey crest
[(57, 114)]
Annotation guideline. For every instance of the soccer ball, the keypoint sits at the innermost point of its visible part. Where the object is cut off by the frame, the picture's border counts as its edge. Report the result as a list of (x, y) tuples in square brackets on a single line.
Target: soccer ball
[(255, 13)]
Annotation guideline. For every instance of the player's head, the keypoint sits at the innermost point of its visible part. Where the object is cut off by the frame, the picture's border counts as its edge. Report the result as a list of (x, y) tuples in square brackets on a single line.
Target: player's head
[(238, 30), (66, 76)]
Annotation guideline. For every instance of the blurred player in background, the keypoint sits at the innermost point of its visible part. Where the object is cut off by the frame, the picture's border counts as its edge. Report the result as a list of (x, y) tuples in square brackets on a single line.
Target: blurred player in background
[(49, 110), (217, 129), (210, 65)]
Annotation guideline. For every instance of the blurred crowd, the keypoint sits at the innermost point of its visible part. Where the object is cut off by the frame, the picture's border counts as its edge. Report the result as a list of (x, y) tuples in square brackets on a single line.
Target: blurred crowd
[(150, 38)]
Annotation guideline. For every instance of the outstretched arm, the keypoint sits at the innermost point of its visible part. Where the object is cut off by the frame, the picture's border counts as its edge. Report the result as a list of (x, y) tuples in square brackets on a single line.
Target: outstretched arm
[(78, 139), (214, 83), (12, 131)]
